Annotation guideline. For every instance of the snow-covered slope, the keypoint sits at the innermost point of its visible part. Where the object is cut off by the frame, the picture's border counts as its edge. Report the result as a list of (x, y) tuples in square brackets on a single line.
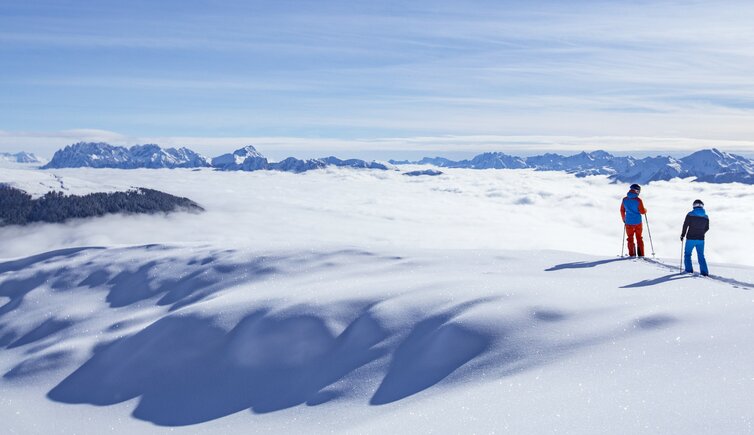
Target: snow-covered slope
[(355, 301), (37, 183), (223, 340)]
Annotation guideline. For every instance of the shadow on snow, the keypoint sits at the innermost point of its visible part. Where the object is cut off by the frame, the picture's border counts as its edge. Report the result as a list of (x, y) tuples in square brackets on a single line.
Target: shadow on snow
[(650, 282), (149, 280), (661, 280), (583, 264), (187, 370)]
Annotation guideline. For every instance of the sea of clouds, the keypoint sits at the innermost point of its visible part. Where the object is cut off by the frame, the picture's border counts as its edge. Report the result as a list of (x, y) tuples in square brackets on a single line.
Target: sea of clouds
[(462, 209)]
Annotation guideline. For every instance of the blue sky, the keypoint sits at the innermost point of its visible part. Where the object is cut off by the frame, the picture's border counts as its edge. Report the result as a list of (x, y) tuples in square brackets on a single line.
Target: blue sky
[(391, 78)]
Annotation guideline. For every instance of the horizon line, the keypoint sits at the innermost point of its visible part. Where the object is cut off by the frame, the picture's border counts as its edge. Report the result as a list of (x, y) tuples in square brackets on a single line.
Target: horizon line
[(44, 144)]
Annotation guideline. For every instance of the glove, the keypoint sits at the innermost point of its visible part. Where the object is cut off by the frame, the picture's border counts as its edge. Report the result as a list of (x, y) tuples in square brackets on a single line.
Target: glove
[(681, 238)]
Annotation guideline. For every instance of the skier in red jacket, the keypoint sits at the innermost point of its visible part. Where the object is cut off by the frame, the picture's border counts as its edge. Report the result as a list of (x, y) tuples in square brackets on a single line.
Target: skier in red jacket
[(631, 209)]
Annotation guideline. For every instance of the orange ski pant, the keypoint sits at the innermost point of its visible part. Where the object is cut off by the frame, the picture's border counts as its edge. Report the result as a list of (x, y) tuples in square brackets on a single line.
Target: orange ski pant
[(638, 247)]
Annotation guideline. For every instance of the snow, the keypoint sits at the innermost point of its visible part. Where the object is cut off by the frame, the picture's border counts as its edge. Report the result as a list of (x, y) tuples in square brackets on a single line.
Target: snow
[(364, 301), (37, 183)]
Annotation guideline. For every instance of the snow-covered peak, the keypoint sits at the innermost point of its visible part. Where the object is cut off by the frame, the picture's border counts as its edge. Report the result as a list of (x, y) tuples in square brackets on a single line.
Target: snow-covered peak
[(249, 159), (187, 158), (90, 154), (650, 169), (20, 157), (584, 158), (152, 156), (247, 151), (497, 161), (237, 159), (713, 165), (103, 155), (711, 161), (600, 154), (547, 160)]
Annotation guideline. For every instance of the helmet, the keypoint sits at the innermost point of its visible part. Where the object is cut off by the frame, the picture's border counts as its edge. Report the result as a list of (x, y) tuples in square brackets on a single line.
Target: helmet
[(635, 187), (698, 203)]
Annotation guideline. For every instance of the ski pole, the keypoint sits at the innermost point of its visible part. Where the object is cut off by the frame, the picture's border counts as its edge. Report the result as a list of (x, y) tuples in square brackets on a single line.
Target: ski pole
[(680, 265), (650, 235), (623, 241)]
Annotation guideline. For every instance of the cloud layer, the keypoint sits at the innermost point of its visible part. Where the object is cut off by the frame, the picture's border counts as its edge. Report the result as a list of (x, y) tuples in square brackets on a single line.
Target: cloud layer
[(463, 209)]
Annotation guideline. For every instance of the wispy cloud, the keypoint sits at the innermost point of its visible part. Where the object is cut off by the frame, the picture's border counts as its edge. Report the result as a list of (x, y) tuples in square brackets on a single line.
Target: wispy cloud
[(349, 70)]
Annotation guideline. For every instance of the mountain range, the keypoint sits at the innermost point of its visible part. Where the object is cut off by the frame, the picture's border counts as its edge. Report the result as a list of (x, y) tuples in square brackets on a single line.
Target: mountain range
[(103, 155), (21, 157), (710, 165)]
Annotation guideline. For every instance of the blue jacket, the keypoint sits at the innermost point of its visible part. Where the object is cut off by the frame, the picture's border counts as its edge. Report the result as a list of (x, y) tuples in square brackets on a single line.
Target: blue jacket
[(696, 224), (631, 209)]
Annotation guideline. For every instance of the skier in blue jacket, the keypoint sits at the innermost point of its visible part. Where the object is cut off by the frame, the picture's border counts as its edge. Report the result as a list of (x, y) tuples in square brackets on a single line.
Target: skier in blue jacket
[(695, 226), (631, 209)]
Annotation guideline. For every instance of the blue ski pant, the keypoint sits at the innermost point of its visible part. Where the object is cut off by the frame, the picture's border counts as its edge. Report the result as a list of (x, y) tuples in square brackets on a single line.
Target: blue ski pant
[(699, 245)]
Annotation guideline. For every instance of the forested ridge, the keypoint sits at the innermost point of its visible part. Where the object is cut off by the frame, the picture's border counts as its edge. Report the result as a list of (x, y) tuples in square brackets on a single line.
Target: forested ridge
[(19, 208)]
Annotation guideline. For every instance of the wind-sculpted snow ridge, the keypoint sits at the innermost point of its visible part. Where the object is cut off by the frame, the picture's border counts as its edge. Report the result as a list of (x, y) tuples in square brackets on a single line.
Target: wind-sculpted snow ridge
[(20, 157), (710, 165), (363, 341), (103, 155)]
